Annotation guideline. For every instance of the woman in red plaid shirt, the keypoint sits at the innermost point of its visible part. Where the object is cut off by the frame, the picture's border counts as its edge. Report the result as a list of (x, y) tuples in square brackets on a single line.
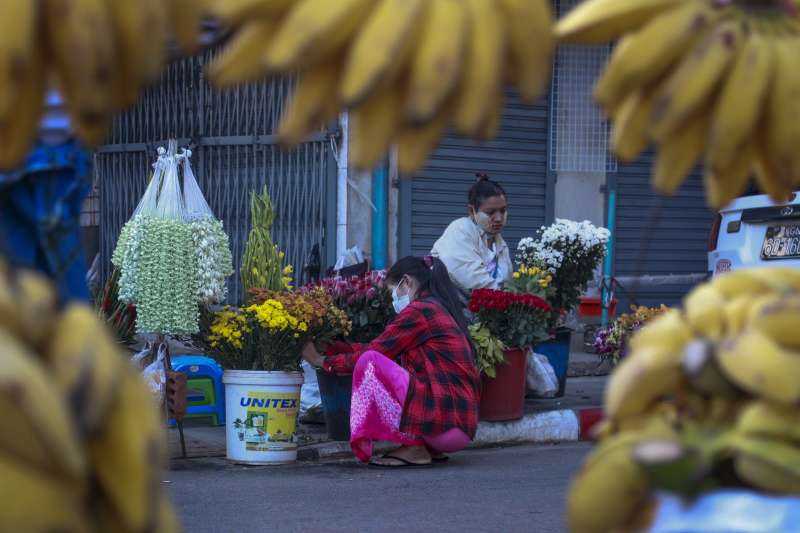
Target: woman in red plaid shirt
[(417, 383)]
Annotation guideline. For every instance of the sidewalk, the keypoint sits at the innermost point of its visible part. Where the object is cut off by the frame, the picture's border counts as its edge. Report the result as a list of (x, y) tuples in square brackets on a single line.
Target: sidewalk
[(546, 420)]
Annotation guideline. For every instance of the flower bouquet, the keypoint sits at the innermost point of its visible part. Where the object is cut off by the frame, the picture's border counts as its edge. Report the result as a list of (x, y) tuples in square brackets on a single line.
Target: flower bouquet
[(516, 320), (262, 263), (570, 251), (506, 324), (263, 336), (611, 343), (532, 280), (315, 307), (365, 300)]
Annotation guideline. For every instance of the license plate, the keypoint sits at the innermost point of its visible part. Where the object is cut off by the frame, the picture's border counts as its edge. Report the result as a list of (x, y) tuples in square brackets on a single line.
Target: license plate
[(781, 242)]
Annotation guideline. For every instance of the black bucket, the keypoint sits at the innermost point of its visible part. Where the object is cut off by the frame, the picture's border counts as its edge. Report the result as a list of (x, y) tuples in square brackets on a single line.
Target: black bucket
[(336, 392)]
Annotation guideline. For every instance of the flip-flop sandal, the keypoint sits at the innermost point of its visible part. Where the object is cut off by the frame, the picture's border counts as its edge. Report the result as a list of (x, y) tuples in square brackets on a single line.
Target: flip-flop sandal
[(404, 463)]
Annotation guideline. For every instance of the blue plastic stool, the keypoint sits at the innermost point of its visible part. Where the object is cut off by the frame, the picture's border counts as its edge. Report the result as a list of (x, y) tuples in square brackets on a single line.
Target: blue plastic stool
[(200, 367)]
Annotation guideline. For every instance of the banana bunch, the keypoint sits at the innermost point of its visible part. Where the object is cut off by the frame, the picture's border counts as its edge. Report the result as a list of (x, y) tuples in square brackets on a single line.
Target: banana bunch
[(706, 399), (81, 447), (98, 53), (705, 81), (407, 69)]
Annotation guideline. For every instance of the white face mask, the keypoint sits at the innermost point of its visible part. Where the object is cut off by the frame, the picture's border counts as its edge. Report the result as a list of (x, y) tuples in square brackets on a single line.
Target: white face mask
[(399, 302), (484, 221)]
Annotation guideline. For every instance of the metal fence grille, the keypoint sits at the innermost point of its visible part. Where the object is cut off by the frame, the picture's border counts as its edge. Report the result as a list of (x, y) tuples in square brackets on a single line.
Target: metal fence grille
[(579, 131), (234, 153)]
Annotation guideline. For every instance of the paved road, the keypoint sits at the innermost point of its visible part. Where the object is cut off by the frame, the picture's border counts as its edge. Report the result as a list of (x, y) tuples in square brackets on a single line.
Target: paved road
[(518, 489)]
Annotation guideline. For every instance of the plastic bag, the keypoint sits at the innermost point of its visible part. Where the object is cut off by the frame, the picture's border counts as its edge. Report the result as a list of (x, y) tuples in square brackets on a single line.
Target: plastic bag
[(310, 398), (730, 511), (211, 243), (541, 378), (139, 358), (155, 377), (195, 203), (351, 257)]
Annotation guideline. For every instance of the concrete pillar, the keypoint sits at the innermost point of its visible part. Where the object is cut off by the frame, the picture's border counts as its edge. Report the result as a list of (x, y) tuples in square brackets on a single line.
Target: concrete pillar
[(579, 196), (359, 211), (393, 211)]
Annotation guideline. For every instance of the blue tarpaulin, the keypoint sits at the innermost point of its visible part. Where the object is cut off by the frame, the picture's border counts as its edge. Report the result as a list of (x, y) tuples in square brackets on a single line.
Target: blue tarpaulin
[(40, 207)]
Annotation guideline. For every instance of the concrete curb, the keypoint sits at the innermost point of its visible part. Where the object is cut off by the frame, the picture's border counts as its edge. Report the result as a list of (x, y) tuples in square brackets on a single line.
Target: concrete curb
[(549, 426), (566, 425)]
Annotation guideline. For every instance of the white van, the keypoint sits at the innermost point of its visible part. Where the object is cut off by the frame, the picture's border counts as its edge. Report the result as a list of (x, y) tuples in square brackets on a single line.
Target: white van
[(752, 231)]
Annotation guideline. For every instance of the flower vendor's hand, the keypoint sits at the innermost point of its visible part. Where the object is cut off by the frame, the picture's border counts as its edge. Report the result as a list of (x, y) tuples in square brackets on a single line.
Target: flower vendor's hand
[(311, 355)]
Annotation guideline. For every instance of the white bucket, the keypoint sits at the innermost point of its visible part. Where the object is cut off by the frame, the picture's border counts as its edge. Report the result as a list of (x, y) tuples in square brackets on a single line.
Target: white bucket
[(261, 411)]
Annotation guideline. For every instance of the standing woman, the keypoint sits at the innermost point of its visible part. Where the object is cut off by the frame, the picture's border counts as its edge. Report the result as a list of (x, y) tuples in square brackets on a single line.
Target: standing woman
[(472, 247), (416, 384)]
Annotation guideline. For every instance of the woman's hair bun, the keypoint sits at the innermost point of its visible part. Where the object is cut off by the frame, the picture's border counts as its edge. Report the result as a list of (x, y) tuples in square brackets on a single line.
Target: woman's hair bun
[(482, 176)]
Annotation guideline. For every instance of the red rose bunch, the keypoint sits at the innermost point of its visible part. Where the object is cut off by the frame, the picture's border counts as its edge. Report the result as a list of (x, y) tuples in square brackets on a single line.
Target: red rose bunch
[(502, 300), (517, 319)]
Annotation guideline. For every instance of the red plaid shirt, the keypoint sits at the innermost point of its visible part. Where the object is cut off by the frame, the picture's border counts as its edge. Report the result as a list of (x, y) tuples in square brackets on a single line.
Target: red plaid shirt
[(444, 389)]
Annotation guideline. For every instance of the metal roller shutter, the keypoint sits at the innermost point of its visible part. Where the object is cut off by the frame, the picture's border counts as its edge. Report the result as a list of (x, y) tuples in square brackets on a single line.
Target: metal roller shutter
[(235, 153), (517, 159), (677, 242)]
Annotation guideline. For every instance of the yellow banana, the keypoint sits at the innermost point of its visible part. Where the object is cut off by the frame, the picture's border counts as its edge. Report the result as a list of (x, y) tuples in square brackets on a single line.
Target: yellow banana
[(741, 104), (28, 307), (759, 365), (600, 21), (608, 490), (494, 119), (21, 128), (644, 57), (704, 374), (373, 126), (187, 17), (703, 310), (780, 322), (85, 62), (689, 87), (737, 311), (140, 32), (667, 331), (743, 282), (783, 110), (36, 502), (18, 37), (46, 438), (234, 12), (765, 420), (309, 106), (783, 280), (244, 59), (769, 465), (629, 137), (678, 154), (768, 176), (640, 380), (414, 144), (314, 30), (531, 43), (379, 51), (85, 364), (125, 453), (438, 60), (483, 71), (725, 184)]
